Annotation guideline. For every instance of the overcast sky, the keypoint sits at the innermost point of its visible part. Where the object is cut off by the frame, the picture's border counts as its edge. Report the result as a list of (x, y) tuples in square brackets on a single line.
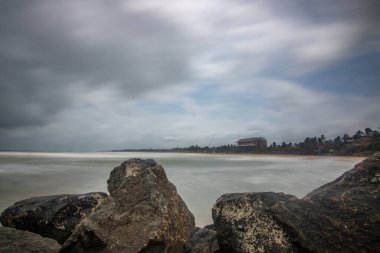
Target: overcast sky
[(97, 75)]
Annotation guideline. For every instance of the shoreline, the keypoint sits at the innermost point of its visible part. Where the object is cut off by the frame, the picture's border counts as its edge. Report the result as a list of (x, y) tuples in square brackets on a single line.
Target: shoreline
[(340, 157), (278, 155)]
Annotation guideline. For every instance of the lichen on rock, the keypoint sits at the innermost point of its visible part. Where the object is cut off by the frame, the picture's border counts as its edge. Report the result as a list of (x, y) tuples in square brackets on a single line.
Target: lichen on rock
[(244, 225)]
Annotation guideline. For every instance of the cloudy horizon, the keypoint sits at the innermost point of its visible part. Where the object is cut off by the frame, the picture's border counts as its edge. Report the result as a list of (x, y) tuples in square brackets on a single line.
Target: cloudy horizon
[(100, 75)]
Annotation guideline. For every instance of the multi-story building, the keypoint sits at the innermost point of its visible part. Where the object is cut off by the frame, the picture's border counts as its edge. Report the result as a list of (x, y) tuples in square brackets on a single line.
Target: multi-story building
[(251, 144)]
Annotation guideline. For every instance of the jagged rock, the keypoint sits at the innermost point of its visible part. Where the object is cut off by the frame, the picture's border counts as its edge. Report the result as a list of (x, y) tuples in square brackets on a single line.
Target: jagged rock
[(143, 214), (53, 216), (244, 224), (120, 172), (341, 216), (13, 240), (203, 241)]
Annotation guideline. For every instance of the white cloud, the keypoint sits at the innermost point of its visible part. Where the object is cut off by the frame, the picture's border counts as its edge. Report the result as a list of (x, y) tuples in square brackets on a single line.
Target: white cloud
[(96, 75)]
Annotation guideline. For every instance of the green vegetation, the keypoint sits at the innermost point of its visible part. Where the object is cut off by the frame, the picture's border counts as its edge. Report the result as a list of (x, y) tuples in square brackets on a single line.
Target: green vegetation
[(362, 143)]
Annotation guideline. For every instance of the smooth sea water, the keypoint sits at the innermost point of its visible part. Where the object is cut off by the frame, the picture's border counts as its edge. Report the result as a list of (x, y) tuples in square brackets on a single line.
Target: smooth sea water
[(200, 178)]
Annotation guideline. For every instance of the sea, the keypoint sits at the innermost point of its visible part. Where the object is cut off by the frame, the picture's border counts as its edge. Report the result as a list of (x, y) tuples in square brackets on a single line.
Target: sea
[(200, 179)]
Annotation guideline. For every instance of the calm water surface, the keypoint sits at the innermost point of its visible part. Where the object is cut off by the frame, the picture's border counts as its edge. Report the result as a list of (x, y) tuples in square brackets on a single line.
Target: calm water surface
[(200, 179)]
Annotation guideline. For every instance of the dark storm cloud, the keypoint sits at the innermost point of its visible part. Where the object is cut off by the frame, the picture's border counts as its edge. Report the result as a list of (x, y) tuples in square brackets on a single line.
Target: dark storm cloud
[(49, 48)]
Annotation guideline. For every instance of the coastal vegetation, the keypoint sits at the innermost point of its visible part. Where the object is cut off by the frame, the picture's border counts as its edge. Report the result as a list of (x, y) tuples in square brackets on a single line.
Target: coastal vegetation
[(362, 143)]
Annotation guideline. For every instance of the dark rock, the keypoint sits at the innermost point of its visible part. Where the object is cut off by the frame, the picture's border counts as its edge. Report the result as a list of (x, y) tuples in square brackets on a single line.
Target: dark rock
[(341, 216), (210, 226), (52, 216), (203, 241), (13, 240), (120, 172), (143, 213), (244, 224)]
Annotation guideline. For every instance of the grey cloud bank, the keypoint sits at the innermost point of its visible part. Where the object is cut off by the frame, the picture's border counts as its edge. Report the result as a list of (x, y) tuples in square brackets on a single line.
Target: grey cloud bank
[(91, 75)]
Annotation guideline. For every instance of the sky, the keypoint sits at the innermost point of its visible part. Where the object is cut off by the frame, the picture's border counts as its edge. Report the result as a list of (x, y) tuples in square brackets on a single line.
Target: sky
[(99, 75)]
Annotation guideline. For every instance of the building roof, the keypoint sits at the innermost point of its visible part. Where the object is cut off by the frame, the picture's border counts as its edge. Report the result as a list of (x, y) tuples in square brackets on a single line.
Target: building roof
[(251, 139)]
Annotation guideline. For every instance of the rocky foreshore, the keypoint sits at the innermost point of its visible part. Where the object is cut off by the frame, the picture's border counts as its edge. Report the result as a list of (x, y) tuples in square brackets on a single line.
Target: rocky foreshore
[(143, 213)]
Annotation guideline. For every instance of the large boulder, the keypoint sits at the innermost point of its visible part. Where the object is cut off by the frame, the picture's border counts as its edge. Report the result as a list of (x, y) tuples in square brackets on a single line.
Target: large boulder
[(13, 240), (54, 216), (244, 223), (143, 214), (341, 216)]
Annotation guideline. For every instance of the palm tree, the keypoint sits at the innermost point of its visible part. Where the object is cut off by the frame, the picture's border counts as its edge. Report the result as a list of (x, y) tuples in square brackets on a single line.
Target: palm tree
[(358, 135), (368, 131), (321, 139), (346, 138), (337, 140)]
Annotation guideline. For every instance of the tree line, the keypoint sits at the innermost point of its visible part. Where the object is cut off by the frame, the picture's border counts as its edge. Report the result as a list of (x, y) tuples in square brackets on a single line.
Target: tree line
[(361, 143)]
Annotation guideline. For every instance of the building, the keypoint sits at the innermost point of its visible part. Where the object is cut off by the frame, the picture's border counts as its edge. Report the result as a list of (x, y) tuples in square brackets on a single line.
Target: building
[(251, 144)]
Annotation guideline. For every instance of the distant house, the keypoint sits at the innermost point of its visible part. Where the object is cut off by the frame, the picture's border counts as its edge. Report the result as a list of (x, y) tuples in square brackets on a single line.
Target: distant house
[(250, 144)]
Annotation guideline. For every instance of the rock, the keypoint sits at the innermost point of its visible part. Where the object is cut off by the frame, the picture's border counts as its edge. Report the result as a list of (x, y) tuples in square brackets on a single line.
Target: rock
[(341, 216), (143, 214), (203, 241), (13, 240), (119, 173), (244, 224), (53, 216)]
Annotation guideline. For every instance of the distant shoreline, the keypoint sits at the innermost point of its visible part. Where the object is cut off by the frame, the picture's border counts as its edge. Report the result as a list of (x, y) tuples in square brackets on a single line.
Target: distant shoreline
[(361, 144), (356, 156), (343, 157)]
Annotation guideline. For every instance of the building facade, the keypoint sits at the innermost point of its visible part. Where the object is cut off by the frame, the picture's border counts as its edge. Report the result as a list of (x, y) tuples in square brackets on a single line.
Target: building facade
[(251, 144)]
